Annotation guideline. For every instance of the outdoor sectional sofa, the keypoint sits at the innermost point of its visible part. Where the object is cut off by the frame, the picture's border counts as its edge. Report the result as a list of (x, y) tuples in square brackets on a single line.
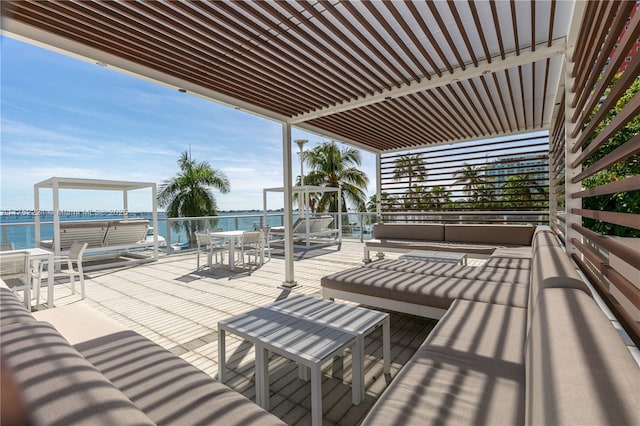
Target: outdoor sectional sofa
[(73, 365), (476, 239), (519, 342)]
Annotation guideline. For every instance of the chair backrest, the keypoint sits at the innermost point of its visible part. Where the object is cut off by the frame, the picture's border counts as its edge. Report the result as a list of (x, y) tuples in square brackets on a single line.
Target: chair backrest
[(320, 224), (124, 232), (251, 237), (7, 247), (77, 250), (203, 239), (93, 233), (15, 265)]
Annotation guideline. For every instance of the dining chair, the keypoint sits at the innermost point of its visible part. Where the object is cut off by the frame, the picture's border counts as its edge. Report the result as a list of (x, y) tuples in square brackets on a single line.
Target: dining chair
[(73, 261), (211, 245), (251, 245), (266, 243), (17, 265)]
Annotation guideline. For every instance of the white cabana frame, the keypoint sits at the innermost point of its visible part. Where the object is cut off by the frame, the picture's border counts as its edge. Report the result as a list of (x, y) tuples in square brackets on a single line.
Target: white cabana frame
[(304, 192), (58, 183)]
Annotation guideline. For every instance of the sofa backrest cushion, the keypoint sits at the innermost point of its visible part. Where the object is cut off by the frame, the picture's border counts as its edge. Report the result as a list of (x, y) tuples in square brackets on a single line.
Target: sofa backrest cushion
[(11, 309), (409, 231), (511, 235), (58, 386), (543, 237), (578, 369), (552, 268)]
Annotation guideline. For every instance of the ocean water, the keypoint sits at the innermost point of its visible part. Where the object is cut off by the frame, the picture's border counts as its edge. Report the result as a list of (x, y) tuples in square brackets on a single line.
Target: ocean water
[(18, 227)]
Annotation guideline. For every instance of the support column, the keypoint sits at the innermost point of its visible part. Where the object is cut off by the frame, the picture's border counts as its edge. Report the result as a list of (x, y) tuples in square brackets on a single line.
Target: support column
[(125, 204), (378, 189), (36, 212), (288, 211), (154, 218), (56, 217)]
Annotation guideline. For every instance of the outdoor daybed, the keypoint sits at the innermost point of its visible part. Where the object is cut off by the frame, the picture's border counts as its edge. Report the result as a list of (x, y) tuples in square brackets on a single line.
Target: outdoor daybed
[(519, 344), (101, 235), (73, 365)]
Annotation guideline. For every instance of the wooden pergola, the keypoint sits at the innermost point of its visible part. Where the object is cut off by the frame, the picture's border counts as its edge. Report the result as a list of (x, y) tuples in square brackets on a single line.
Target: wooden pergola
[(390, 76)]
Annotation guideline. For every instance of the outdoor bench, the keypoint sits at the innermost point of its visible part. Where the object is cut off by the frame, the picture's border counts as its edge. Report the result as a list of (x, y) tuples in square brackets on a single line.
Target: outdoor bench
[(73, 365), (521, 344)]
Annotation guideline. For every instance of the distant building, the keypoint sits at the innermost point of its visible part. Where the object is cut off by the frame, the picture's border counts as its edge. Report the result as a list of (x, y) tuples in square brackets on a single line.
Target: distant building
[(536, 167), (636, 47)]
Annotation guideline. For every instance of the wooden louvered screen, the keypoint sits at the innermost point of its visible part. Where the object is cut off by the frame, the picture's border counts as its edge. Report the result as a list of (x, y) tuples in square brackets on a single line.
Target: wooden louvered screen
[(596, 144), (475, 182)]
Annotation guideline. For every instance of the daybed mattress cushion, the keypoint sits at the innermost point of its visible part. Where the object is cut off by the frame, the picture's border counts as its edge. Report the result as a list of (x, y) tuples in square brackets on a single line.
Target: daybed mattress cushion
[(430, 245), (426, 290), (451, 270), (58, 386), (578, 369), (504, 235), (167, 388), (470, 370)]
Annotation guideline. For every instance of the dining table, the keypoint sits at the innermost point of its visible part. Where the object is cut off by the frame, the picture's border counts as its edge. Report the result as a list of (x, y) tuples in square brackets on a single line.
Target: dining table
[(235, 240)]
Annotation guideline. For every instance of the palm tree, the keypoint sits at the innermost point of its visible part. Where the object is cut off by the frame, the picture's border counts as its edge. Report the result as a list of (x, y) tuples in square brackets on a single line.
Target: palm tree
[(331, 166), (520, 187), (472, 180), (411, 166), (440, 197), (188, 194)]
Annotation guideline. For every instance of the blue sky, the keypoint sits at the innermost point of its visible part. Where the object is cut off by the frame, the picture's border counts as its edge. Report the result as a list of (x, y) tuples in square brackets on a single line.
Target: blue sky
[(69, 118)]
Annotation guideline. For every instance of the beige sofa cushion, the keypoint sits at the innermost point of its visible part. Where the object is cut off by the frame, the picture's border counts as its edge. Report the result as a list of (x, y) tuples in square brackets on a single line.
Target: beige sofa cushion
[(438, 292), (469, 371), (451, 270), (168, 389), (552, 268), (544, 237), (11, 309), (58, 386), (579, 371), (409, 231), (504, 235)]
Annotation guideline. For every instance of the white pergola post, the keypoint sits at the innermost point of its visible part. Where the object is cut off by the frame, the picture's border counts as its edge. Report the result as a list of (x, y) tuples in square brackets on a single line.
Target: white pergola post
[(154, 218), (378, 190), (288, 211), (56, 217), (339, 214), (125, 204), (36, 212)]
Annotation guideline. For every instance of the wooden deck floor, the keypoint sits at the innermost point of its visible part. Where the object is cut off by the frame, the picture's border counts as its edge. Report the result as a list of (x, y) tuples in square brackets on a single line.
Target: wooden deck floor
[(178, 307)]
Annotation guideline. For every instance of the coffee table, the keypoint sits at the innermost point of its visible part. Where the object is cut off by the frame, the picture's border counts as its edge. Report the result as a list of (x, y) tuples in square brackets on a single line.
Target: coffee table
[(436, 256), (309, 331)]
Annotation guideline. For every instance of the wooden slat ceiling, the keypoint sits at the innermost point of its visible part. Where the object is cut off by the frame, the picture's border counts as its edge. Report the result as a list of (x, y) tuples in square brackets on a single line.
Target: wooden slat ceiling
[(379, 75)]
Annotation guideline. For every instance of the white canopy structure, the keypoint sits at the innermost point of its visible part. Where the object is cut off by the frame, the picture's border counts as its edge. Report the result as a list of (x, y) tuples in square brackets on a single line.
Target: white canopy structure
[(58, 183)]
